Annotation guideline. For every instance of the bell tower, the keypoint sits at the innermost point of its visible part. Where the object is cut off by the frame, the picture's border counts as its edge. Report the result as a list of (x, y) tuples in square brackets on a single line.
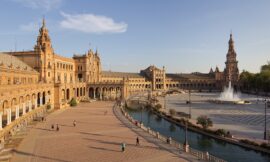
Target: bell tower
[(45, 53), (231, 72)]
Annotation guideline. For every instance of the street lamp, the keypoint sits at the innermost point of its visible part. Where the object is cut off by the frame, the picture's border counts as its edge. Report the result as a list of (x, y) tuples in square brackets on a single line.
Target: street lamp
[(189, 102), (165, 101), (141, 113), (186, 145), (267, 104)]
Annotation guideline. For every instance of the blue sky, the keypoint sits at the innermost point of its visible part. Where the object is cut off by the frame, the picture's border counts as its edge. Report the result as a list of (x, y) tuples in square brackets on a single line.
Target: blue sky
[(182, 35)]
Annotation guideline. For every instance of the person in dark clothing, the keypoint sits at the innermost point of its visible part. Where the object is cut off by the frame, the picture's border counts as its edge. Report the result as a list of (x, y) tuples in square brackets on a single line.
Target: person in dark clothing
[(137, 141), (57, 127), (52, 126)]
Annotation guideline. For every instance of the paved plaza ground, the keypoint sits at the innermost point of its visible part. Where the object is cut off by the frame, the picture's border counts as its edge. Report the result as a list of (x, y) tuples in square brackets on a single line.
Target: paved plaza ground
[(241, 120), (96, 138)]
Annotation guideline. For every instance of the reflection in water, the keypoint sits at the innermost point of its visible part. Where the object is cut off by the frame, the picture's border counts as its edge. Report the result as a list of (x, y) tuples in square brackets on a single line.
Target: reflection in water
[(158, 119), (172, 127), (204, 142), (221, 149)]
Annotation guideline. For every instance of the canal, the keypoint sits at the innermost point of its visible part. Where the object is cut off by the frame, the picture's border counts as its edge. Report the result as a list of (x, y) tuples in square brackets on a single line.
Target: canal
[(218, 148)]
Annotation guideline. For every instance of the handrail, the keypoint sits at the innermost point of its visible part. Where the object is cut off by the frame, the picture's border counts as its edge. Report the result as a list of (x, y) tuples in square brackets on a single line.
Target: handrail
[(199, 154)]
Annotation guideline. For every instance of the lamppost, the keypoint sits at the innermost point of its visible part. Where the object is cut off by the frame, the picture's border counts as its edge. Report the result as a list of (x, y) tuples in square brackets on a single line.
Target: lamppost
[(267, 104), (165, 101), (141, 113), (186, 146), (189, 102)]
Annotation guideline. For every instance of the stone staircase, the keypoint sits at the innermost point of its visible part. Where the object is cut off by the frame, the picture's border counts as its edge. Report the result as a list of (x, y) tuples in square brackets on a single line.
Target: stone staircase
[(7, 151)]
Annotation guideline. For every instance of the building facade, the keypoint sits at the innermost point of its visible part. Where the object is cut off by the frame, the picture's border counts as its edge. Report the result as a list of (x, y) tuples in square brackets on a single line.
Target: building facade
[(30, 80)]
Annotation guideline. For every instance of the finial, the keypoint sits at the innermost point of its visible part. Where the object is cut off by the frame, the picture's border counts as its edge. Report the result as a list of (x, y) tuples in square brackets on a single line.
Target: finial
[(43, 21), (231, 34), (96, 51)]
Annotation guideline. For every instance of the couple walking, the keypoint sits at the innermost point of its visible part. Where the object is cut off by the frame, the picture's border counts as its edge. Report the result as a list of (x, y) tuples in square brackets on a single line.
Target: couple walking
[(123, 144)]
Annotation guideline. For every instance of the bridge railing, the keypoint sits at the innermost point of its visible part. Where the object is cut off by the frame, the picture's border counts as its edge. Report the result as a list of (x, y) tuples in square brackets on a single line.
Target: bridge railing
[(199, 154)]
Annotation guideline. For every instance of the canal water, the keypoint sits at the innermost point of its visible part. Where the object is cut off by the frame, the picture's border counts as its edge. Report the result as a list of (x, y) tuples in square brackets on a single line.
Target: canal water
[(218, 148)]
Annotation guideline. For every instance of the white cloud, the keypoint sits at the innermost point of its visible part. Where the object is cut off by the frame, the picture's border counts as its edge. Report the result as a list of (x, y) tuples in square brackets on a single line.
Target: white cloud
[(30, 27), (45, 4), (90, 23)]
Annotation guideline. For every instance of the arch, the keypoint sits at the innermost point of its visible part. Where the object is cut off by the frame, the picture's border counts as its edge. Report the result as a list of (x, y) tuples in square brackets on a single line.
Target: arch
[(63, 94), (5, 105), (91, 92), (97, 92), (13, 102), (38, 98), (43, 98), (68, 94), (81, 91)]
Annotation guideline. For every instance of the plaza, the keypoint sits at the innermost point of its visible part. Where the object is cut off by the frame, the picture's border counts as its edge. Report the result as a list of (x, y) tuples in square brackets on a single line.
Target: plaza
[(96, 137), (242, 120)]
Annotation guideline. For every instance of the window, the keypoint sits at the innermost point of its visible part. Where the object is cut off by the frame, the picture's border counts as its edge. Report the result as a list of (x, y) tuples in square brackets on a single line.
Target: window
[(65, 77), (59, 77)]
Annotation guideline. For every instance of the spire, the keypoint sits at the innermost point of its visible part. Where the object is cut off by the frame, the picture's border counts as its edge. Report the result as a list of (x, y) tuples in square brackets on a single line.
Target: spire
[(43, 22), (231, 45), (211, 70), (43, 39), (217, 70), (97, 52)]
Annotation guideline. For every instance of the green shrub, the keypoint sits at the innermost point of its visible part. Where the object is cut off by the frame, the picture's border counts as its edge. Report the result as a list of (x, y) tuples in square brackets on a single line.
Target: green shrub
[(249, 142), (221, 132), (158, 107), (49, 106), (73, 102), (204, 121), (172, 112), (265, 145)]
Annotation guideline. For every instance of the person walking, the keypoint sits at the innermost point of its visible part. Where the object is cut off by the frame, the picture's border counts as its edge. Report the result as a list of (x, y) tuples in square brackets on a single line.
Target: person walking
[(57, 127), (137, 141), (52, 126), (123, 146), (74, 123)]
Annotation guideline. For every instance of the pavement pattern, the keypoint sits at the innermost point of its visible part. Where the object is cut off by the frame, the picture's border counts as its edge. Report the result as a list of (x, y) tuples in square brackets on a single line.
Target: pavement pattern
[(97, 137), (243, 121)]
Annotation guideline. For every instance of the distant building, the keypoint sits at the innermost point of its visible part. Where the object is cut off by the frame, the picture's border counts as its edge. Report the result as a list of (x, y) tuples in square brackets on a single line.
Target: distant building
[(41, 77)]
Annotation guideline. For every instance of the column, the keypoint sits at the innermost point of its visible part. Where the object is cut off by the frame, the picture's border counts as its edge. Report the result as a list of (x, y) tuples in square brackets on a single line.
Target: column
[(49, 97), (17, 112), (36, 102), (46, 99), (8, 116), (1, 126), (100, 94), (24, 107), (30, 105), (94, 94), (40, 101)]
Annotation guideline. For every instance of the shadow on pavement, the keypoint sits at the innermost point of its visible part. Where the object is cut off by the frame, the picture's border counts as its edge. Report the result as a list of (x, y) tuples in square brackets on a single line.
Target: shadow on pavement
[(43, 157)]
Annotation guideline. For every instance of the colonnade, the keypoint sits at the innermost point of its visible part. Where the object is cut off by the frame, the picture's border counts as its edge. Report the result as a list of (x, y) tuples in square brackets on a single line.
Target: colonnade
[(18, 107)]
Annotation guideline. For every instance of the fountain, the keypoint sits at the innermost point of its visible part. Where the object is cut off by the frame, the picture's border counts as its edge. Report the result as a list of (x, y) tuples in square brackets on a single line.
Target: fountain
[(228, 96)]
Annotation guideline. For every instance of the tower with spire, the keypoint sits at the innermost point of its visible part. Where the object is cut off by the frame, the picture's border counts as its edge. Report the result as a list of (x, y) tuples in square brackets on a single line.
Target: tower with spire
[(231, 72), (45, 53)]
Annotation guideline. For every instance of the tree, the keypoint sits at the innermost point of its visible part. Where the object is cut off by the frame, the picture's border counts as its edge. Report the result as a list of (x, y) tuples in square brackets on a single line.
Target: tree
[(204, 121), (158, 107), (73, 102), (172, 112), (266, 67)]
